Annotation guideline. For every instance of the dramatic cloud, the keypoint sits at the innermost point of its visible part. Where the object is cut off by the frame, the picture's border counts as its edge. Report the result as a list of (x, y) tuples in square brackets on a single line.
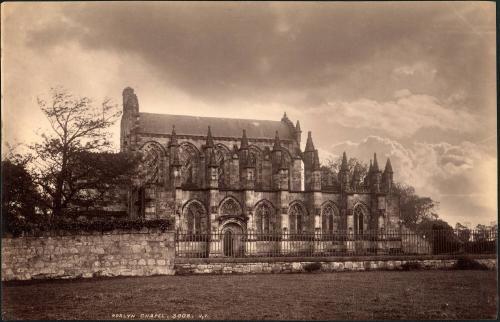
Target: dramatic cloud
[(458, 176), (233, 50), (410, 80), (402, 117)]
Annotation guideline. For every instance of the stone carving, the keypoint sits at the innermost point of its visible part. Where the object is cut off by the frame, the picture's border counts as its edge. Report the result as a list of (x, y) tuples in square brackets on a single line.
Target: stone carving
[(230, 208)]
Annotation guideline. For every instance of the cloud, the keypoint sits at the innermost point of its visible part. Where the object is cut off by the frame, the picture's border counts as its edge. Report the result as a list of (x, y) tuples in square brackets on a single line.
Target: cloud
[(403, 71), (462, 177), (227, 51), (401, 117)]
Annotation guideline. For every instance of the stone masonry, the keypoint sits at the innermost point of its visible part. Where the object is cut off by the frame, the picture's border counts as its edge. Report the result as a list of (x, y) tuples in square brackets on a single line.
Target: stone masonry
[(241, 178), (276, 267), (139, 253)]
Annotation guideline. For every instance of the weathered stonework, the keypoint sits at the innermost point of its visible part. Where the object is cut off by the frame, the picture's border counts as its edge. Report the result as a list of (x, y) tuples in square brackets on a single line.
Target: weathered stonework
[(239, 178), (148, 252), (276, 266)]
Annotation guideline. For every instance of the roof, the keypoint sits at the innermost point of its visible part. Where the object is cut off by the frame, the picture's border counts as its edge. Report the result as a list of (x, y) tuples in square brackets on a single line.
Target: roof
[(220, 127)]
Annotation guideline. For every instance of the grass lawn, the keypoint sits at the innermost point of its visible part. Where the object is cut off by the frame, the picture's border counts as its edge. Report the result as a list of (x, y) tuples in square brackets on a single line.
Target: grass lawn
[(326, 296)]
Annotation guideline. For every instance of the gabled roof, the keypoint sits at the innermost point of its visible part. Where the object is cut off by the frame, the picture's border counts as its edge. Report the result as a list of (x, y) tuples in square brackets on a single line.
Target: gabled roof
[(220, 127)]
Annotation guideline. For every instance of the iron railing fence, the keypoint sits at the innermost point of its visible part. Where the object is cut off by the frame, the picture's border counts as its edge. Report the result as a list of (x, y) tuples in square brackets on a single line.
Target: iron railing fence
[(339, 243)]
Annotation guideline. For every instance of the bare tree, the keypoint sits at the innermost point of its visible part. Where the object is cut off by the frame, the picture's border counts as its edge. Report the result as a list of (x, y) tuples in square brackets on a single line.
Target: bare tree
[(78, 126)]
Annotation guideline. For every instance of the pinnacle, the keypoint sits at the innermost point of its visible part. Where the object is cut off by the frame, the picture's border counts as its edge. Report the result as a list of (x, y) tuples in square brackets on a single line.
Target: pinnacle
[(388, 166), (344, 166), (316, 164), (210, 140), (244, 140), (309, 143), (173, 137), (375, 163)]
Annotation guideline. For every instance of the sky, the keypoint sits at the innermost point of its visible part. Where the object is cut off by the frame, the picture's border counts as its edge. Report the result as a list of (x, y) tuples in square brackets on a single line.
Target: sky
[(415, 82)]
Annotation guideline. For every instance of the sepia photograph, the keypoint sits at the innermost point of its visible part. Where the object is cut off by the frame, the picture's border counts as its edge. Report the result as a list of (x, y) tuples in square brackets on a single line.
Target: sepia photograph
[(247, 160)]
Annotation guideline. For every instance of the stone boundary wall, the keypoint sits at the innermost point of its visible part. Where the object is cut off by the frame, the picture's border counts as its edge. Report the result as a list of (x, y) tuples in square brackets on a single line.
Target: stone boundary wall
[(83, 255), (339, 265)]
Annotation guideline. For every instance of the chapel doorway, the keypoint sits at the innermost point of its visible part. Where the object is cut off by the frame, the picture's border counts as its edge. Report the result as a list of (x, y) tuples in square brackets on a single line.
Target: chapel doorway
[(233, 240), (228, 243)]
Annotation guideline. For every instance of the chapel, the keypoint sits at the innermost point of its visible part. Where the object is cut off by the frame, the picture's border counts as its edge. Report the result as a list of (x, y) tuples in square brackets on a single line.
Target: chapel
[(215, 175)]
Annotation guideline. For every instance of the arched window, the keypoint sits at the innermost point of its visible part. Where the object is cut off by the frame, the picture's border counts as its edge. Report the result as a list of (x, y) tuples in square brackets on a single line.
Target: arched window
[(195, 218), (223, 159), (189, 158), (255, 159), (230, 207), (330, 219), (152, 162), (360, 219), (297, 217), (266, 220)]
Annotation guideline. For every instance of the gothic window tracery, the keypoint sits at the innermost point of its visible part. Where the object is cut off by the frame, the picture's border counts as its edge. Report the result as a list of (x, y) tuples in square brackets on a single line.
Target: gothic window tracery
[(330, 219), (152, 162), (223, 159), (297, 217), (266, 220), (195, 218), (230, 208), (189, 158), (360, 219)]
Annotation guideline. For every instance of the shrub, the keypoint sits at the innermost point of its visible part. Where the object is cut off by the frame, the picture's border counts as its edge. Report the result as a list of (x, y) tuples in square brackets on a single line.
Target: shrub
[(409, 266), (312, 267), (469, 263), (94, 226)]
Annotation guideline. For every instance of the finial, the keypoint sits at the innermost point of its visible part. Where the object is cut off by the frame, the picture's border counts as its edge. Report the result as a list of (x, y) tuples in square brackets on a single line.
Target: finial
[(173, 137), (210, 140), (297, 126), (375, 163), (344, 166), (309, 143), (388, 166), (316, 164), (244, 140)]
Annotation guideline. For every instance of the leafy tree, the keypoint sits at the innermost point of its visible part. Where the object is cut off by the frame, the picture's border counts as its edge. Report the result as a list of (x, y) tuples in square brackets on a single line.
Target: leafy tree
[(463, 232), (481, 233), (20, 198), (78, 126), (97, 177), (415, 209), (334, 166), (428, 224), (329, 171)]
